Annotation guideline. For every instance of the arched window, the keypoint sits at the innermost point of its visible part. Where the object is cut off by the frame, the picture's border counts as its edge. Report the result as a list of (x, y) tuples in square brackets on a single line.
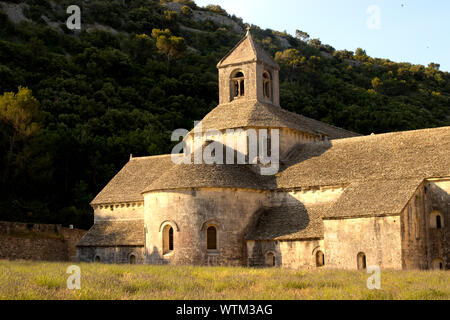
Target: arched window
[(132, 259), (436, 220), (267, 85), (167, 239), (320, 259), (362, 262), (238, 83), (211, 238), (97, 259), (270, 259)]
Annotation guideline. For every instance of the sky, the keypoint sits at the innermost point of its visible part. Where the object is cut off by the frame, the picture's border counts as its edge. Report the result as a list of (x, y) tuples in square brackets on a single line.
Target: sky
[(415, 31)]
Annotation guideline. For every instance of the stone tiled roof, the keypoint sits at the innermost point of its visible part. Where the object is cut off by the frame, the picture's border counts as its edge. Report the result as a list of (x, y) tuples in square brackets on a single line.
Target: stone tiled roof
[(114, 233), (406, 155), (290, 222), (252, 113), (373, 198), (211, 176), (137, 174), (247, 50)]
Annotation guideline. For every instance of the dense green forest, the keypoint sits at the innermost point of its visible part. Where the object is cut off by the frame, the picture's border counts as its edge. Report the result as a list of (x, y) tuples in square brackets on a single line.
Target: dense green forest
[(75, 104)]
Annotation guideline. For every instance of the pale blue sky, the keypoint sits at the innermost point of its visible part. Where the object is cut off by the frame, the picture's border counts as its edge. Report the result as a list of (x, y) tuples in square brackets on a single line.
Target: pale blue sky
[(417, 32)]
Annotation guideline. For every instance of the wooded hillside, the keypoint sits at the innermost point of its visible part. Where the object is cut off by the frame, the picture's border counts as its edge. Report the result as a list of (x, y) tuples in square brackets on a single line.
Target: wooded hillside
[(75, 105)]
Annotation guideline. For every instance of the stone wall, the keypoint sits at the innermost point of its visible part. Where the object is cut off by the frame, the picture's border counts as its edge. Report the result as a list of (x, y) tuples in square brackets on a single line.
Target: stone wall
[(288, 254), (414, 228), (119, 211), (189, 212), (117, 255), (38, 241), (379, 238), (422, 242)]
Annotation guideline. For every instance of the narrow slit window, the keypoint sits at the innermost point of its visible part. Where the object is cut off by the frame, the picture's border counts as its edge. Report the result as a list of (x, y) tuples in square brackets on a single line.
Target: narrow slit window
[(211, 238), (438, 222), (362, 261)]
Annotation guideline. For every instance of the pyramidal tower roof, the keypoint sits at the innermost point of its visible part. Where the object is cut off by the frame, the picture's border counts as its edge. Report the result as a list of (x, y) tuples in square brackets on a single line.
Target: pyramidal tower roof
[(247, 50)]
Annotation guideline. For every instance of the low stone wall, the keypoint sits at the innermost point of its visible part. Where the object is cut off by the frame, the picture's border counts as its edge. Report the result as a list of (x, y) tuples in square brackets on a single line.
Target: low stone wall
[(118, 255), (288, 254), (30, 241)]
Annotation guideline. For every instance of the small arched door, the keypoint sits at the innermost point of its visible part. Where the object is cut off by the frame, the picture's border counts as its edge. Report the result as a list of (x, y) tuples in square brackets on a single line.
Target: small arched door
[(362, 261), (270, 260)]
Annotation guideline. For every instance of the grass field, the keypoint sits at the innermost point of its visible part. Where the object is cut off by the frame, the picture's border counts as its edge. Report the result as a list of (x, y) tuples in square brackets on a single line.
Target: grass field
[(42, 280)]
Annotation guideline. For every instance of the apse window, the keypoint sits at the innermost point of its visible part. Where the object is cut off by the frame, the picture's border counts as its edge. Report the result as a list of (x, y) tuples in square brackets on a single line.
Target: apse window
[(211, 238), (167, 239), (238, 82)]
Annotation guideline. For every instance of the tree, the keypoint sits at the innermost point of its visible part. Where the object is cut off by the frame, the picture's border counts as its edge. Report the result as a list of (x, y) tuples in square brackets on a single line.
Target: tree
[(169, 45), (315, 43), (434, 66), (216, 8), (301, 35), (291, 58), (186, 11), (377, 84), (20, 112)]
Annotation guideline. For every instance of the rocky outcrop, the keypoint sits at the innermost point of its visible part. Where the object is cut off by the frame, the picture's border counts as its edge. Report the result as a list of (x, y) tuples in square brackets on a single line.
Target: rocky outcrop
[(199, 15), (14, 11)]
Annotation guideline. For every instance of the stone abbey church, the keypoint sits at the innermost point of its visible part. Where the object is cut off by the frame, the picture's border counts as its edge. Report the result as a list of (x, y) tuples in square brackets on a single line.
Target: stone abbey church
[(339, 200)]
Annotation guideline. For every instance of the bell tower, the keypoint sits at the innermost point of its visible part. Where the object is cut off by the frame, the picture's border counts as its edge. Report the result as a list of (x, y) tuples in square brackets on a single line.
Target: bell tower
[(248, 73)]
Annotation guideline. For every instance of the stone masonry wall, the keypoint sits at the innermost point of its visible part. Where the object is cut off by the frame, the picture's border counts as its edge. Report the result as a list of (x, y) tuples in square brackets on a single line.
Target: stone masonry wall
[(117, 255), (119, 211), (38, 241), (379, 238), (233, 212), (422, 242), (288, 254)]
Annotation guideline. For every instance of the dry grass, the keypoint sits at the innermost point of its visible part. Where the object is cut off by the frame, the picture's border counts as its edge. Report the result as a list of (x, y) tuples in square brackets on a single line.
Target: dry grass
[(43, 280)]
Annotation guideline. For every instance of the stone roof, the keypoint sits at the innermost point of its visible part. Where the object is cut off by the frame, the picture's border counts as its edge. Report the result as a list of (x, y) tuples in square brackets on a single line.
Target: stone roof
[(252, 113), (359, 200), (247, 50), (137, 174), (404, 155), (290, 222), (114, 233), (373, 198), (211, 176)]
